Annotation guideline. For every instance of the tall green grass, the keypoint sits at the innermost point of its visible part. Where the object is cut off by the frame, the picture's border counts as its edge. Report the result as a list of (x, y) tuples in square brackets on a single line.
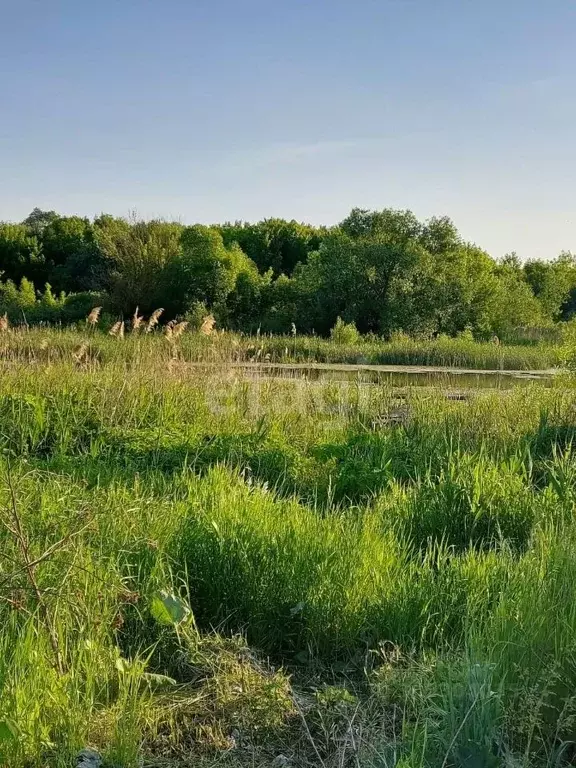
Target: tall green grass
[(45, 344), (427, 563)]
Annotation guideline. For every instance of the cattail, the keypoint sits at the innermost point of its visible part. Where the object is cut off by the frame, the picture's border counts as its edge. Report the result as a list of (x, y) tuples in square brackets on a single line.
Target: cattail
[(4, 324), (154, 317), (117, 329), (178, 329), (94, 316), (136, 321), (208, 325)]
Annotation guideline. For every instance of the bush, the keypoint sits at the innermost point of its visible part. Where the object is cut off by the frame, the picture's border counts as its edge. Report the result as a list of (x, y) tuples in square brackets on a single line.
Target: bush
[(196, 315), (344, 333), (25, 304)]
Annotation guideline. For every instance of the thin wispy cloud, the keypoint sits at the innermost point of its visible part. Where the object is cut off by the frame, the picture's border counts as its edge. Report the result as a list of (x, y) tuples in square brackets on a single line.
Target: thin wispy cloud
[(275, 154)]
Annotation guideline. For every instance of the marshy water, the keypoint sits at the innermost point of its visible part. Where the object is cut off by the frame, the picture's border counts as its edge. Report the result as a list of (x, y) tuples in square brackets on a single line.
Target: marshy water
[(393, 375)]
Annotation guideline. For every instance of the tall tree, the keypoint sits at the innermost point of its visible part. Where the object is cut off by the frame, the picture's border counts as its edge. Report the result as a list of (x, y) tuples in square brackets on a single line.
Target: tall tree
[(20, 254), (205, 271), (37, 220), (274, 244), (553, 283), (361, 271), (73, 257), (138, 254)]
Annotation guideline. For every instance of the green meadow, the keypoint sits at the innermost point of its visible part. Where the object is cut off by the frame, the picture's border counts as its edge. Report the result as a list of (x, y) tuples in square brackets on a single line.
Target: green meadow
[(204, 566)]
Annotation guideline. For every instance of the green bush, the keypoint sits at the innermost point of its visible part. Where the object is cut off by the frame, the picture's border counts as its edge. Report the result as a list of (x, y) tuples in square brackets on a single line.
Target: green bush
[(344, 333), (24, 305)]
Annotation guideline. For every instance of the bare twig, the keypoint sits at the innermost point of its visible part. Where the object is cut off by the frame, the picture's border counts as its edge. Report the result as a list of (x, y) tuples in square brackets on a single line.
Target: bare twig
[(45, 555)]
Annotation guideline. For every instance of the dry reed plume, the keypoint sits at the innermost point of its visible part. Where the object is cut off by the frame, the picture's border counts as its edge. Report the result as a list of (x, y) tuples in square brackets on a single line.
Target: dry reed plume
[(117, 330), (153, 321), (168, 329), (137, 321), (4, 324), (94, 316), (174, 330), (80, 354), (208, 325), (179, 329)]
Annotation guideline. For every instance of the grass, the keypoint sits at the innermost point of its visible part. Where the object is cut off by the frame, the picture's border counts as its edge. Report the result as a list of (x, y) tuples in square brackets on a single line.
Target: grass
[(205, 567), (51, 344)]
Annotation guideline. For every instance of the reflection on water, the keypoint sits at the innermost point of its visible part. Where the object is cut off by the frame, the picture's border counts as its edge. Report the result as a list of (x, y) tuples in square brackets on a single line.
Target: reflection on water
[(402, 376)]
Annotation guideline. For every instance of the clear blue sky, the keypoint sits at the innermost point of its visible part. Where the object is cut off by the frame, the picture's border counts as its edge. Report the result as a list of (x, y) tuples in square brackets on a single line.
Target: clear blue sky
[(213, 110)]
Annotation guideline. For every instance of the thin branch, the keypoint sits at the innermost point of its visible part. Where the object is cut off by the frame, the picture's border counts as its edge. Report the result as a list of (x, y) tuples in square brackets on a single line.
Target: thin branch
[(48, 553), (29, 568)]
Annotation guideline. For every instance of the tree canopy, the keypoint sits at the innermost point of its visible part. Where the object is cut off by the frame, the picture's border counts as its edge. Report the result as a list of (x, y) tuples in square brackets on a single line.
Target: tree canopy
[(384, 271)]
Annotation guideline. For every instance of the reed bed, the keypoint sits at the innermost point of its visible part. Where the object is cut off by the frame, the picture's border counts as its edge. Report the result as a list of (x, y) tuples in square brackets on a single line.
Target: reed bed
[(145, 341)]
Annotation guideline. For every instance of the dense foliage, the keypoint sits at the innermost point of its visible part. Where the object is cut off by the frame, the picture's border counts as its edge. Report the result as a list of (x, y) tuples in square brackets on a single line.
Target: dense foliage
[(383, 271)]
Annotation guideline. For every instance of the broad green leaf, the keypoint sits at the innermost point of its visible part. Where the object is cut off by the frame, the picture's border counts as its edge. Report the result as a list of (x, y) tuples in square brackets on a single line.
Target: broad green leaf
[(168, 609), (8, 731), (158, 681)]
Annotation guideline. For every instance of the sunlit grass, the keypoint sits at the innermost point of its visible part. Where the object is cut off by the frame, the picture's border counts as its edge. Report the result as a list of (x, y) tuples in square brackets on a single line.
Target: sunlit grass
[(46, 344), (376, 579)]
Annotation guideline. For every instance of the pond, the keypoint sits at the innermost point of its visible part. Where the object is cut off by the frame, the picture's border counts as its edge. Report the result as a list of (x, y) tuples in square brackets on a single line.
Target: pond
[(394, 375)]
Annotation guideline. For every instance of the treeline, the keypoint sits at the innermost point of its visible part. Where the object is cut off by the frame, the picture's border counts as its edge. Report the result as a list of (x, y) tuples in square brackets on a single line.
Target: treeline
[(384, 271)]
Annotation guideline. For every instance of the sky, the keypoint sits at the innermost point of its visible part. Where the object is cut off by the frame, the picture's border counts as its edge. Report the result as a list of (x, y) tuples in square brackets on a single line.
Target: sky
[(219, 110)]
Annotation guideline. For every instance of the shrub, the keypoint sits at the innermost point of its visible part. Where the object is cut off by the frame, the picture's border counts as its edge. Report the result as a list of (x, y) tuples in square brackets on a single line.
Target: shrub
[(25, 304), (344, 333)]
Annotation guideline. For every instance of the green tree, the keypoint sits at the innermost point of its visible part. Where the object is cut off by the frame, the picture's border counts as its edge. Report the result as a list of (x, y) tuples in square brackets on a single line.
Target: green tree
[(137, 256), (246, 302), (284, 302), (554, 284), (363, 271), (513, 304), (453, 291), (18, 302), (274, 244), (400, 227), (440, 236), (37, 220), (20, 253), (205, 271), (73, 258)]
